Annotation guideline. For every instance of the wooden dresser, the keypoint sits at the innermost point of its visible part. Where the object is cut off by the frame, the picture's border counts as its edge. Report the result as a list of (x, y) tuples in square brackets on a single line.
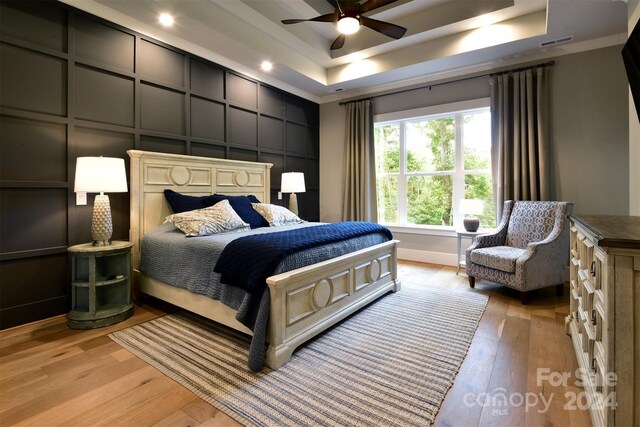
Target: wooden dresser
[(604, 322)]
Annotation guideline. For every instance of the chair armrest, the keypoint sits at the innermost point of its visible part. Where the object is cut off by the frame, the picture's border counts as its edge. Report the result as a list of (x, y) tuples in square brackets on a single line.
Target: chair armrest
[(551, 244), (550, 250), (558, 234), (498, 237)]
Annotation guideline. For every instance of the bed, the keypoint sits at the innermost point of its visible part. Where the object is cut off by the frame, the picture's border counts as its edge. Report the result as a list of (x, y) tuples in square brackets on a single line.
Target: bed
[(303, 302)]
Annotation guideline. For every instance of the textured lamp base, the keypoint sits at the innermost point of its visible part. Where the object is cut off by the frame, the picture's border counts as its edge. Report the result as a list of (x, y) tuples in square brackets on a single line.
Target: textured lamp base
[(101, 225), (293, 203), (471, 223)]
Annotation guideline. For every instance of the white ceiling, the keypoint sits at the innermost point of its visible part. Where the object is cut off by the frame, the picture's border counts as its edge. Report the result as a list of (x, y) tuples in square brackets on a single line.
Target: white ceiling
[(444, 38)]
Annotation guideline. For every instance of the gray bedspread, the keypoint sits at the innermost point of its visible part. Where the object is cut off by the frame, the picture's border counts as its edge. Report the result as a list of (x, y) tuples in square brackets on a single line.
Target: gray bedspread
[(188, 262)]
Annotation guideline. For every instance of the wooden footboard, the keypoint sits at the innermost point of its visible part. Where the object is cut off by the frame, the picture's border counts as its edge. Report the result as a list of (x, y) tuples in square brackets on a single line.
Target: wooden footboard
[(306, 301)]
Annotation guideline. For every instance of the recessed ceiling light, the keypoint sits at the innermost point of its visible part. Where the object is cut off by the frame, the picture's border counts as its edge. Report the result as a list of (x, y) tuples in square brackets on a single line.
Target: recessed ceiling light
[(266, 66), (166, 19)]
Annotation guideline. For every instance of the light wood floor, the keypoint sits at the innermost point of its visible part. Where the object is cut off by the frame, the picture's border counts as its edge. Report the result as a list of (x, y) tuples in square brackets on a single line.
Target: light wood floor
[(51, 375)]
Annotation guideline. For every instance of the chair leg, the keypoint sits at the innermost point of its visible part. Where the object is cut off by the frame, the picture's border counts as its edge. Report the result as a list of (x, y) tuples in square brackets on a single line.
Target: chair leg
[(560, 289), (472, 281), (524, 297)]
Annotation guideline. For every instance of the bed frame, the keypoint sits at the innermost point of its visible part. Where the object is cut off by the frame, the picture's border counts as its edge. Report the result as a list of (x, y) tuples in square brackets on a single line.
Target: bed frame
[(304, 302)]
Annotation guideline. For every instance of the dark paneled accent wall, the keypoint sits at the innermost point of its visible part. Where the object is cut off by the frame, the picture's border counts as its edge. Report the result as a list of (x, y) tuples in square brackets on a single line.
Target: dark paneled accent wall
[(74, 85)]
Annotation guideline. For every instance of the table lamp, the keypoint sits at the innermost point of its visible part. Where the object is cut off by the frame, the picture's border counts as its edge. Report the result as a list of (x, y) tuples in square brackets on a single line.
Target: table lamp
[(471, 207), (292, 182), (101, 175)]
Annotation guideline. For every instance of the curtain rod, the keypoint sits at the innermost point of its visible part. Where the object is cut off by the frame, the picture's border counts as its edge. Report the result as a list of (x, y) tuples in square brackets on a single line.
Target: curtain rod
[(496, 73)]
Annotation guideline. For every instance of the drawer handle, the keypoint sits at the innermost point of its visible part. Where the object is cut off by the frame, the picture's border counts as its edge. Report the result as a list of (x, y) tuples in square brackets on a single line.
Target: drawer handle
[(593, 268), (593, 316)]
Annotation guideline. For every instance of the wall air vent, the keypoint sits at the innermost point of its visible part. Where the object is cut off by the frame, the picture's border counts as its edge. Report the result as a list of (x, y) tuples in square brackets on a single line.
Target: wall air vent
[(556, 41)]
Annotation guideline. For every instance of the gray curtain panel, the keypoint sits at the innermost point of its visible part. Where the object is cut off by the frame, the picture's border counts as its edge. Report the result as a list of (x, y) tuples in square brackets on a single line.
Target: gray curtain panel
[(359, 203), (520, 138)]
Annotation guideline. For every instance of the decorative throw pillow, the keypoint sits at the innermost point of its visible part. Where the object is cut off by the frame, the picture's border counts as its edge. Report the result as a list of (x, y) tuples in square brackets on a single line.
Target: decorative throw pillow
[(276, 215), (242, 205), (218, 218), (183, 203)]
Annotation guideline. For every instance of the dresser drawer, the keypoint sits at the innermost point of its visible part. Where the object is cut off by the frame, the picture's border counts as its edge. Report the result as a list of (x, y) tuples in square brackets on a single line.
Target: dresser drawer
[(599, 322), (586, 289), (585, 251), (598, 270)]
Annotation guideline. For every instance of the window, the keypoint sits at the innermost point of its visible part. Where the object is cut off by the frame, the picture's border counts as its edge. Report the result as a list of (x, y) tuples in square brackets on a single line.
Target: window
[(427, 160)]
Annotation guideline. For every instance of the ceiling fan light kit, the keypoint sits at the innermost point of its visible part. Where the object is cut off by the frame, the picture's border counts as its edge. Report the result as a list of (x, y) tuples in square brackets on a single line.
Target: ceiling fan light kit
[(348, 25), (348, 18)]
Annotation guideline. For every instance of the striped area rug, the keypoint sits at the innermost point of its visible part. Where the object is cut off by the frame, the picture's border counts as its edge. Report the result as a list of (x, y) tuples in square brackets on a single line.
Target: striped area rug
[(391, 363)]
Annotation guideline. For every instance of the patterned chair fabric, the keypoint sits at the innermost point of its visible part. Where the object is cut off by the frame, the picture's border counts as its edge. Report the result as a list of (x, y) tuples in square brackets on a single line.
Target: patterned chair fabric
[(529, 250), (501, 258), (530, 222)]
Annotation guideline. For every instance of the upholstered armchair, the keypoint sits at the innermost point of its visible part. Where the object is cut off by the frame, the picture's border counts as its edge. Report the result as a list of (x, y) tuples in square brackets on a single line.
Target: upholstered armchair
[(530, 249)]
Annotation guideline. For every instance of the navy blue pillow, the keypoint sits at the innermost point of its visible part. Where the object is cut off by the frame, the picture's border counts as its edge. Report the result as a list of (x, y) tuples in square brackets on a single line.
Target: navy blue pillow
[(242, 206), (183, 203)]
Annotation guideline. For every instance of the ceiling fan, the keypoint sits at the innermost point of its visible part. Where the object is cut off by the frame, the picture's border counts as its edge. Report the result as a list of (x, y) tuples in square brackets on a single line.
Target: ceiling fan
[(348, 15)]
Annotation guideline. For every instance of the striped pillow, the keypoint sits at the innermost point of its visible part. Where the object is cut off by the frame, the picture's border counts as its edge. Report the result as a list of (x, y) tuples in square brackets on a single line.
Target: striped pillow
[(219, 218)]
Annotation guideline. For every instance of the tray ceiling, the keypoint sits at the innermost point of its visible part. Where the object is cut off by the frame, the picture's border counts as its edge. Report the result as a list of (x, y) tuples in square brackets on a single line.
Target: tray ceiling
[(444, 37)]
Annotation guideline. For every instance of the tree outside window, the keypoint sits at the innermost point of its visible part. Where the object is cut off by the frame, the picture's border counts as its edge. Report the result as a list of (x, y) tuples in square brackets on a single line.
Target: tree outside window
[(425, 165)]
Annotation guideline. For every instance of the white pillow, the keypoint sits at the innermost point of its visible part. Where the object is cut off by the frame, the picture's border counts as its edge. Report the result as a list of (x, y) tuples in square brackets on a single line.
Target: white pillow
[(276, 215), (218, 218)]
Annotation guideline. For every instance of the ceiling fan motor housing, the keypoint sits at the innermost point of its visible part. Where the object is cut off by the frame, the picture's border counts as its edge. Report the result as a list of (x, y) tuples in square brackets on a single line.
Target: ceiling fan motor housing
[(348, 17)]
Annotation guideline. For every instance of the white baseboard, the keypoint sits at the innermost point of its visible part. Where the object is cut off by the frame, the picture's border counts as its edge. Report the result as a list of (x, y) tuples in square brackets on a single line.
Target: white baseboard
[(442, 258)]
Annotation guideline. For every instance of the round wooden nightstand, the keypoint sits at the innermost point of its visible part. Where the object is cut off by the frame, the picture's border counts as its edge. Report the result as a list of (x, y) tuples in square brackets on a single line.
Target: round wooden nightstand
[(100, 285)]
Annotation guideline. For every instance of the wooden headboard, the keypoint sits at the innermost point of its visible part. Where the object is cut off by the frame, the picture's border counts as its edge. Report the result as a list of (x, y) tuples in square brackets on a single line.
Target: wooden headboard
[(152, 173)]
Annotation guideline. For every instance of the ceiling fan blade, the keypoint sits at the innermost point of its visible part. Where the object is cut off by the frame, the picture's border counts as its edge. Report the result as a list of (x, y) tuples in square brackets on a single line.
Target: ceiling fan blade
[(339, 42), (329, 17), (386, 28), (293, 21), (374, 4), (333, 3)]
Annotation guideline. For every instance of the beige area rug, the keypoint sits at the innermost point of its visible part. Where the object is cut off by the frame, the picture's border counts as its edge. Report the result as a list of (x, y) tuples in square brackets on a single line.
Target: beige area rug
[(391, 363)]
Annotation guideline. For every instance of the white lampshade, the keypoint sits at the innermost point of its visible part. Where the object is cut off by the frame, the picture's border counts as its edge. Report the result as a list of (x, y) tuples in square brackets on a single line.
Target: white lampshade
[(292, 182), (100, 175), (472, 206)]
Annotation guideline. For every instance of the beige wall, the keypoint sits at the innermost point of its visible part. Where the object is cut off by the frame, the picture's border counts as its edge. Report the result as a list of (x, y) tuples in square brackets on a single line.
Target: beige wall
[(332, 137), (634, 130), (589, 132), (589, 138)]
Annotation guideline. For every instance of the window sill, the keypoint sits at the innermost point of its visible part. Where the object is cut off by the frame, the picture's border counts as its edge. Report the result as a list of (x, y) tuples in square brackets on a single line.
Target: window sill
[(432, 231), (423, 230)]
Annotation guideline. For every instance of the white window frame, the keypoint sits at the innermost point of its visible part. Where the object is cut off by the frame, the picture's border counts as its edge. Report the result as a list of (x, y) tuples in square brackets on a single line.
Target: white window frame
[(433, 112)]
